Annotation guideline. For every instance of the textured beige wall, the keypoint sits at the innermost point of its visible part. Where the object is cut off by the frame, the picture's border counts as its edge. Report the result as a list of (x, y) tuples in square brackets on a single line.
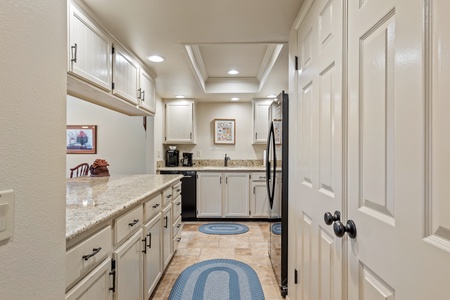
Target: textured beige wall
[(32, 150)]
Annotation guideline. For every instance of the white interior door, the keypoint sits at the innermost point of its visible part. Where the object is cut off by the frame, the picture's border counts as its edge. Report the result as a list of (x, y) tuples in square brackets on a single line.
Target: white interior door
[(318, 181), (398, 149)]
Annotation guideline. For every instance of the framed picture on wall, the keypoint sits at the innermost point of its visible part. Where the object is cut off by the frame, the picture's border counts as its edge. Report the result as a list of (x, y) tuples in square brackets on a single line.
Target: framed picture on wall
[(225, 131), (81, 139)]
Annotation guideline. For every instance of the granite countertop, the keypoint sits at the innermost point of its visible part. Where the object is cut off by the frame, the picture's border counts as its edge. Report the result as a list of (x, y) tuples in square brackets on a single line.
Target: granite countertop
[(216, 168), (92, 200)]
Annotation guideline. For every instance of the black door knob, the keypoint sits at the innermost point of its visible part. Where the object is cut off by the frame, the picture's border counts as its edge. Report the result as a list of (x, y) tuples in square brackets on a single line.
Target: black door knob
[(340, 229), (329, 218)]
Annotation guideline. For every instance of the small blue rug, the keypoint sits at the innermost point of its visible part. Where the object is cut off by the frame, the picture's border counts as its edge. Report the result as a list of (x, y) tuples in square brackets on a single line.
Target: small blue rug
[(223, 228), (217, 279), (276, 228)]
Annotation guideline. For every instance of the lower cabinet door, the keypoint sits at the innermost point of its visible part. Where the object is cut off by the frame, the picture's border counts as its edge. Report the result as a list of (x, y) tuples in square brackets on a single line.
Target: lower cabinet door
[(167, 234), (129, 264), (152, 255), (96, 285)]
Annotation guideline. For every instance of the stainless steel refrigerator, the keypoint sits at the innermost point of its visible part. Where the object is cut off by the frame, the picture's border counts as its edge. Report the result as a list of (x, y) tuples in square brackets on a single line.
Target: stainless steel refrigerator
[(276, 165)]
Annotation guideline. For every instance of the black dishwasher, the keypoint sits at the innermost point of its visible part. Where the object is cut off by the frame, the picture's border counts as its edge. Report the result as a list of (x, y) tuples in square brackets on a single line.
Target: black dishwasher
[(188, 194)]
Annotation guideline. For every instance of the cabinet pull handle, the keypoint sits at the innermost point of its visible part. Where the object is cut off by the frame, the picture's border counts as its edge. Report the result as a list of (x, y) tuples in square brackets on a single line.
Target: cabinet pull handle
[(226, 180), (190, 136), (145, 245), (113, 288), (179, 203), (220, 181), (178, 240), (156, 205), (74, 52), (256, 135), (253, 190), (178, 190), (179, 225), (139, 93), (143, 95), (166, 218), (169, 196), (150, 240), (94, 251), (133, 223)]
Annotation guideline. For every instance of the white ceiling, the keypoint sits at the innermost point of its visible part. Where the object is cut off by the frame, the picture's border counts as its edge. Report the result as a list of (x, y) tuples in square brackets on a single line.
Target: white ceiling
[(203, 39)]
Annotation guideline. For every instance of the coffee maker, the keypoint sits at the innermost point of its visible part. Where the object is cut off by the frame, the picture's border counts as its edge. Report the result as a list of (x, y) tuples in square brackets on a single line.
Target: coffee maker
[(187, 159), (172, 158)]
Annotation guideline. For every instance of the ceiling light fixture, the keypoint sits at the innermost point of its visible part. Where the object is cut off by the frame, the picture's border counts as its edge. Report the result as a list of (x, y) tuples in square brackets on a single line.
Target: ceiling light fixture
[(271, 96), (156, 58), (179, 96), (234, 99), (233, 72)]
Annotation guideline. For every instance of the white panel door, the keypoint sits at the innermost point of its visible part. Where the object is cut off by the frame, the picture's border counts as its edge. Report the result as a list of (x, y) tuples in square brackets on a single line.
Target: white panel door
[(398, 149), (129, 264), (147, 91), (125, 76), (209, 194), (89, 50), (317, 184), (236, 200), (152, 256)]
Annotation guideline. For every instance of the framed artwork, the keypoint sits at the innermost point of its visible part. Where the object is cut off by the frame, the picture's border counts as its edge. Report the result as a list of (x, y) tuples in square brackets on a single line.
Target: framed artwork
[(225, 131), (81, 139)]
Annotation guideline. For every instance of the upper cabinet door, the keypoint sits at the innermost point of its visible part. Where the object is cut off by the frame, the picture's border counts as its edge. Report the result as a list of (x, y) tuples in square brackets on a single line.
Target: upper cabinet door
[(89, 50), (147, 91), (180, 122), (125, 76), (261, 121)]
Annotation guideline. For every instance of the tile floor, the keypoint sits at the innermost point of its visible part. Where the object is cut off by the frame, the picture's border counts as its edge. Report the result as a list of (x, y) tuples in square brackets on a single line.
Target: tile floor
[(250, 248)]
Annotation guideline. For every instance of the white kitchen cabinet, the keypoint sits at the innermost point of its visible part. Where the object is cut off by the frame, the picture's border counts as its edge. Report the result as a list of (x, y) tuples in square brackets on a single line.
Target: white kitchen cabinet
[(209, 194), (261, 120), (95, 285), (147, 91), (152, 255), (223, 194), (236, 194), (167, 235), (125, 75), (180, 122), (128, 265), (259, 200), (89, 49)]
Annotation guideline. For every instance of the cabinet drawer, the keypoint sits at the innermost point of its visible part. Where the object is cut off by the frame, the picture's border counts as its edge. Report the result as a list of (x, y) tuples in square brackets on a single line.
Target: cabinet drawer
[(176, 209), (152, 207), (177, 225), (128, 223), (176, 190), (260, 176), (166, 196), (87, 254), (176, 240)]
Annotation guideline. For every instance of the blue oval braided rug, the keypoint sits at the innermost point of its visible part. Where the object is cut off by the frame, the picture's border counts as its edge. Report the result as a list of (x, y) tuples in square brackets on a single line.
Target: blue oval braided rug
[(217, 279), (223, 228)]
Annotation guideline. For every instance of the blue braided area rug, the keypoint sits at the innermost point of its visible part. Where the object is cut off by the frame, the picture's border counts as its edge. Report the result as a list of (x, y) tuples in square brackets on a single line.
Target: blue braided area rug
[(217, 279), (276, 228), (223, 228)]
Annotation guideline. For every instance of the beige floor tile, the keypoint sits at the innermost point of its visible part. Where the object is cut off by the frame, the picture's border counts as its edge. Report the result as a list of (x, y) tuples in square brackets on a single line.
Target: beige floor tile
[(250, 248)]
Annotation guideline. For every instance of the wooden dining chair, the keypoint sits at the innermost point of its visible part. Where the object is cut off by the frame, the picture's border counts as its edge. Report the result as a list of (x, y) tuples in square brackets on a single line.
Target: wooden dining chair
[(80, 170)]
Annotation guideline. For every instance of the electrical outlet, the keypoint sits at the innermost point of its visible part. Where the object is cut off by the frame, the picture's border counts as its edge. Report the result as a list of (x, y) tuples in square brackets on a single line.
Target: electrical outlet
[(159, 154), (199, 153)]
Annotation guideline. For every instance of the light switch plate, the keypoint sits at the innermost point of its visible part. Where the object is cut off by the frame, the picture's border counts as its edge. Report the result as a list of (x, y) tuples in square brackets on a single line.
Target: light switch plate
[(6, 214), (199, 153)]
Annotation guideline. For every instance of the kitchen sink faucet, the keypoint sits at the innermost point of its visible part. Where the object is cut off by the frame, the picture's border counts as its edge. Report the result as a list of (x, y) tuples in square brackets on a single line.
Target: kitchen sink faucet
[(227, 158)]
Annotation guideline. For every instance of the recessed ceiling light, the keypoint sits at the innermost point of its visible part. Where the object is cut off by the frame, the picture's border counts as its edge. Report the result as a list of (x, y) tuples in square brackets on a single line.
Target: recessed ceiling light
[(233, 72), (179, 96), (271, 96), (156, 58), (234, 99)]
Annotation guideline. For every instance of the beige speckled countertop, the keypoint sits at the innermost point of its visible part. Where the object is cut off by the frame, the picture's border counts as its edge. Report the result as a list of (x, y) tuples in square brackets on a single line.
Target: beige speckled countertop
[(92, 200), (216, 169)]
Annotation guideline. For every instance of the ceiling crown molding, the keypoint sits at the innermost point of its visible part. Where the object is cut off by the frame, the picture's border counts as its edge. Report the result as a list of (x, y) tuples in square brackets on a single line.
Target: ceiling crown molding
[(218, 85)]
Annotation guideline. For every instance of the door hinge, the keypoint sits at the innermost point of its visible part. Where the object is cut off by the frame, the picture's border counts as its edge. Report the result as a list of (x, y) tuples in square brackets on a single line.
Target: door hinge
[(296, 63), (112, 51), (112, 85), (295, 276)]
